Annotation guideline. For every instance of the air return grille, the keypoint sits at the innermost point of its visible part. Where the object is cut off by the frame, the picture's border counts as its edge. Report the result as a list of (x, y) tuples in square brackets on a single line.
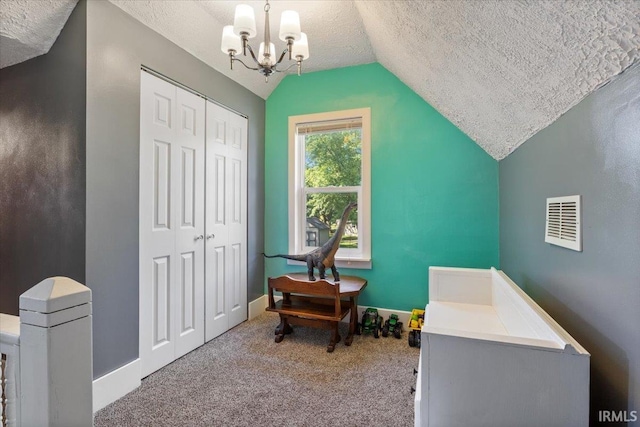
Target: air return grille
[(563, 222)]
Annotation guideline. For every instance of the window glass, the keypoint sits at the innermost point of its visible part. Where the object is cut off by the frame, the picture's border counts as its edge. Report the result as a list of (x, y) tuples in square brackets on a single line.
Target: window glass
[(333, 158), (323, 216)]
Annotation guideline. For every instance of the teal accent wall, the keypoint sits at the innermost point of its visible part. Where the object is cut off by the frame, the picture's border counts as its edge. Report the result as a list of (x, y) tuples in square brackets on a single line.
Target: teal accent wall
[(434, 192)]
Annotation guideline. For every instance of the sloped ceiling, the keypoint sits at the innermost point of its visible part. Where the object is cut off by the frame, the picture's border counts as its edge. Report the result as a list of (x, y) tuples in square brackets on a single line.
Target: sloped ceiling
[(500, 70), (503, 70), (28, 28)]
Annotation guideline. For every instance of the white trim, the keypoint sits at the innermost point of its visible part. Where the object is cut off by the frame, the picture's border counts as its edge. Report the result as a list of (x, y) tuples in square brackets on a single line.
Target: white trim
[(403, 316), (360, 258), (116, 384), (257, 306)]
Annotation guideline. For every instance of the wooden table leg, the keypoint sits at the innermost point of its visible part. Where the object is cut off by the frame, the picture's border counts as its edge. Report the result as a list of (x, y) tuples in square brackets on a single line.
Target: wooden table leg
[(335, 338), (284, 328), (353, 320)]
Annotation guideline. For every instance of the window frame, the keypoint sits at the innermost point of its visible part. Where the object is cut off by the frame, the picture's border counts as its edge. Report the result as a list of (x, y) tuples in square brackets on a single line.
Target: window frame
[(351, 258)]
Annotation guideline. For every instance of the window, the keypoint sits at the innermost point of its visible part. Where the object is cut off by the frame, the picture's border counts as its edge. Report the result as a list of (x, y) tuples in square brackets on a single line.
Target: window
[(329, 167)]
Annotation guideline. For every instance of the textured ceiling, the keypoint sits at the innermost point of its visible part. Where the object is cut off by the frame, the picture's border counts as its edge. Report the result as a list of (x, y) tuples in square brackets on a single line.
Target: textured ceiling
[(336, 34), (28, 28), (501, 70)]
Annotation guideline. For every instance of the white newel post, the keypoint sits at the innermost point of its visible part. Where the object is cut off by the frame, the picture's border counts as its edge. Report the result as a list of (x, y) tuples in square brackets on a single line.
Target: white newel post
[(56, 354)]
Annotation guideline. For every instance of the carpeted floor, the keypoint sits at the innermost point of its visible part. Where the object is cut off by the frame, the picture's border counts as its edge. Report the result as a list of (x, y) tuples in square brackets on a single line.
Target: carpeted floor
[(243, 378)]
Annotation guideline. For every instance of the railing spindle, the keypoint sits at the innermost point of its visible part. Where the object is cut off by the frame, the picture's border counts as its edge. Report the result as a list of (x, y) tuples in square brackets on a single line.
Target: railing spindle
[(9, 370)]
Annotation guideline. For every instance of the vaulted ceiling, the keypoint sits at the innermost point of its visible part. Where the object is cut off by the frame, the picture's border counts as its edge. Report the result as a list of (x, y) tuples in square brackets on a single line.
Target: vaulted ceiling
[(500, 70)]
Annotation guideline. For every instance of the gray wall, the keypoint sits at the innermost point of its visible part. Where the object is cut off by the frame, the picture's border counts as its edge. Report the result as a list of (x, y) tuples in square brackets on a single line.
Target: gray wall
[(117, 46), (593, 150), (42, 166)]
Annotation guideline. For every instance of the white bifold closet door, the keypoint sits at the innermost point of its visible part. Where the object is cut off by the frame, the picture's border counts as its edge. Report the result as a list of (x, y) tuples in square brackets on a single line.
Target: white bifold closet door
[(193, 255), (172, 226), (226, 220)]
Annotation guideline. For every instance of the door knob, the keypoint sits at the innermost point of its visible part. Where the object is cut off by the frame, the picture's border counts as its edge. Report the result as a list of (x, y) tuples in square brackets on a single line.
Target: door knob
[(210, 236), (200, 237)]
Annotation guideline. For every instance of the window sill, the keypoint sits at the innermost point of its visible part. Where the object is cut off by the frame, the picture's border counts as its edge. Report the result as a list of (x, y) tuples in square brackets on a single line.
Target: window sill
[(357, 263)]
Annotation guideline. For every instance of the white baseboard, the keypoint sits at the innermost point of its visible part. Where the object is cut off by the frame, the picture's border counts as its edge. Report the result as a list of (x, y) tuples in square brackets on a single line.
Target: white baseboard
[(114, 385), (403, 316), (257, 306)]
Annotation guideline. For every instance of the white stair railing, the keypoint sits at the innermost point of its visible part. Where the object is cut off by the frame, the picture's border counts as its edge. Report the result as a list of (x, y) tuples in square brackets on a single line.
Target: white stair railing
[(10, 368), (47, 365)]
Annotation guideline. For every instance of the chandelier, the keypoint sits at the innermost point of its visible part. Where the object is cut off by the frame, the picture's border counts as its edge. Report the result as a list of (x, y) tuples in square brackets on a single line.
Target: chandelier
[(236, 38)]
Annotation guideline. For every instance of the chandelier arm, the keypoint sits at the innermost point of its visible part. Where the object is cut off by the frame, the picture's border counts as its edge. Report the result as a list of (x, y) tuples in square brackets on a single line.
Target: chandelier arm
[(286, 69), (253, 55), (245, 65), (284, 52)]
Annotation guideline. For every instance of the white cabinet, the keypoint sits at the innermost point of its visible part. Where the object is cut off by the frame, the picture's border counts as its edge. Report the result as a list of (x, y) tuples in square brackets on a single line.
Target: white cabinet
[(490, 356)]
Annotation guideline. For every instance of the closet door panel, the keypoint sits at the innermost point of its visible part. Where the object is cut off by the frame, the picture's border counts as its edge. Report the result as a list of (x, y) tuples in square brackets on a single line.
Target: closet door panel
[(216, 304), (157, 223), (188, 292), (217, 274), (160, 292), (217, 174), (189, 198), (235, 277), (172, 161), (161, 184), (237, 214)]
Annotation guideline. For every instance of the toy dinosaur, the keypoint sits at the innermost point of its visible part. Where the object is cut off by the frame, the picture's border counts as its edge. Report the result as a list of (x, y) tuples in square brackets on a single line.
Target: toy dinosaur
[(324, 256)]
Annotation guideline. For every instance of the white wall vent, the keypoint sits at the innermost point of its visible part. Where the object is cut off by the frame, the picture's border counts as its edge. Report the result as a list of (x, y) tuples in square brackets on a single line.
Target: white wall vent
[(563, 222)]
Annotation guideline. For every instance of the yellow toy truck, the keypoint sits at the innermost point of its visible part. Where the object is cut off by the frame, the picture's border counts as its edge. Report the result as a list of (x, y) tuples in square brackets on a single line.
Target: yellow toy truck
[(415, 327)]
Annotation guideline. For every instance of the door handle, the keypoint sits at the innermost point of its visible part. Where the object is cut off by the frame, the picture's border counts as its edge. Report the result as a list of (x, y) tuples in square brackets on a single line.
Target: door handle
[(200, 237), (210, 236)]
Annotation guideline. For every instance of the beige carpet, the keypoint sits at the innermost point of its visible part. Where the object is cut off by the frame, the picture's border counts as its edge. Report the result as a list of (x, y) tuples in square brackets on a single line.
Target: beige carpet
[(243, 378)]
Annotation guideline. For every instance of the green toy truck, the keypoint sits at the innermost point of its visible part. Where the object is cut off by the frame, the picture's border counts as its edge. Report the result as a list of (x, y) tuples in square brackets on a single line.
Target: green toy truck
[(371, 323), (392, 325)]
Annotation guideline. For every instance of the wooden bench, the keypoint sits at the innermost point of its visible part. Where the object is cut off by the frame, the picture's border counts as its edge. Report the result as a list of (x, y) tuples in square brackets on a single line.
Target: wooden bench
[(315, 304)]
